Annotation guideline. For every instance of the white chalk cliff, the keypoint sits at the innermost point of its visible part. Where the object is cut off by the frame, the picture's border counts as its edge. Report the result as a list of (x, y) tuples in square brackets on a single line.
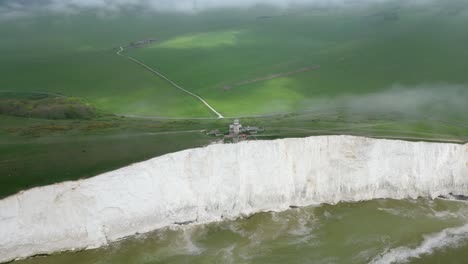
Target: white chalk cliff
[(225, 181)]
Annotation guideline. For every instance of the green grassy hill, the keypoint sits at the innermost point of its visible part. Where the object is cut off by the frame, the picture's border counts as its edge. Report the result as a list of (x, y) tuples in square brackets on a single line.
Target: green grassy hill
[(360, 51), (76, 56)]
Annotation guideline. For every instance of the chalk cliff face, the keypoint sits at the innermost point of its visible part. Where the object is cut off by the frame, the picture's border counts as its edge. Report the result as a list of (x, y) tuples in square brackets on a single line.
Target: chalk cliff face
[(225, 181)]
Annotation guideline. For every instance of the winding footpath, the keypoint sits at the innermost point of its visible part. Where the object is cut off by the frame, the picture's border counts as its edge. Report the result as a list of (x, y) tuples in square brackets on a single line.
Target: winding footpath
[(170, 81)]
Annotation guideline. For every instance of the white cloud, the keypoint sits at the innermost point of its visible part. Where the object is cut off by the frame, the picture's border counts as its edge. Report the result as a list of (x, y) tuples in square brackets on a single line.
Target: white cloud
[(21, 7)]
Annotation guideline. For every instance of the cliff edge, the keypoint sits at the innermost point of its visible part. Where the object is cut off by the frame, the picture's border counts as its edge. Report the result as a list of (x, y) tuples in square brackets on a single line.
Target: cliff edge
[(224, 182)]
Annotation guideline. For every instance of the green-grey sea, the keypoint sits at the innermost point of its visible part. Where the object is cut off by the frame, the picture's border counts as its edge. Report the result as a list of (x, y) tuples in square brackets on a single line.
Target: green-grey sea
[(379, 231)]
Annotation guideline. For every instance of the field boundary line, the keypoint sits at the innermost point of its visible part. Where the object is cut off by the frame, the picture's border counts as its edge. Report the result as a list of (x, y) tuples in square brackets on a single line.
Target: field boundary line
[(170, 81), (30, 92)]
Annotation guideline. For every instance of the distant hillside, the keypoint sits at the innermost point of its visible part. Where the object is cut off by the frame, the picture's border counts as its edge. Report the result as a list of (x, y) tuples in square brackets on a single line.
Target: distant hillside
[(48, 108)]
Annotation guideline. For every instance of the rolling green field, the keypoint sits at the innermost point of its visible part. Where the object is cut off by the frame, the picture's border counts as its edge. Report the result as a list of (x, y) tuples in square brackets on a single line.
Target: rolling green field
[(71, 56), (362, 50), (359, 51), (385, 70)]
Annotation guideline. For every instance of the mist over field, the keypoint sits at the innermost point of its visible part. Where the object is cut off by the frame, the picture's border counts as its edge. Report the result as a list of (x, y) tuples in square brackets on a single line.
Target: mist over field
[(15, 8), (423, 101)]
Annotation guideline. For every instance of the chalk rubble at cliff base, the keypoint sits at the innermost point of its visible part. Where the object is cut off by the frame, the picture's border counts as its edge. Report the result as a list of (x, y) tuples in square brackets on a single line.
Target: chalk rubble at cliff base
[(224, 182)]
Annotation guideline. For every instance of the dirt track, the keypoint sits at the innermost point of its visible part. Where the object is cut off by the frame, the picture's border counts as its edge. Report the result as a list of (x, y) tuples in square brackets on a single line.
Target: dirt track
[(170, 81), (273, 76)]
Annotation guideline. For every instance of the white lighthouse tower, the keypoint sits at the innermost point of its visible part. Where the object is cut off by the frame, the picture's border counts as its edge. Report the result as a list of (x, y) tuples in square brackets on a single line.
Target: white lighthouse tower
[(235, 128)]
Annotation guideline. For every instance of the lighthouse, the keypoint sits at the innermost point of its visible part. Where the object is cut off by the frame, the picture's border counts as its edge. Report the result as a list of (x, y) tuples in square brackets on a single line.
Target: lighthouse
[(235, 128)]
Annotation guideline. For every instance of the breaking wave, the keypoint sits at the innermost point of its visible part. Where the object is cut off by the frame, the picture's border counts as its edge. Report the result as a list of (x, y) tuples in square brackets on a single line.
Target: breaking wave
[(447, 238), (225, 182)]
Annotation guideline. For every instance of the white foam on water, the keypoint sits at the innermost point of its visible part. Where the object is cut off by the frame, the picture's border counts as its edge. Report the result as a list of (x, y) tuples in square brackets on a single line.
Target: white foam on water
[(447, 238), (227, 254), (446, 214), (399, 212), (221, 182), (426, 212), (303, 222), (301, 228), (185, 243)]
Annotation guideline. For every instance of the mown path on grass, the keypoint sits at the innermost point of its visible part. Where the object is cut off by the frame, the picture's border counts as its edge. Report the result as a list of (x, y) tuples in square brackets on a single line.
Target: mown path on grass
[(170, 81)]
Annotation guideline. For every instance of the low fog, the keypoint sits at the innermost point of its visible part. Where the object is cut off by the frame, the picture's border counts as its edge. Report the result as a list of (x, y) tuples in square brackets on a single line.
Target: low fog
[(13, 8), (423, 101)]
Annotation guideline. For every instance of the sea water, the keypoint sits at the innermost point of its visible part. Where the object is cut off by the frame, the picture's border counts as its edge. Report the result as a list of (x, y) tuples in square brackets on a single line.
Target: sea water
[(377, 231)]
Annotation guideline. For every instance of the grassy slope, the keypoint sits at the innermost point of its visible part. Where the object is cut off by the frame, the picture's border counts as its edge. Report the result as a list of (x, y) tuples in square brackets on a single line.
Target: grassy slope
[(359, 54), (73, 57)]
